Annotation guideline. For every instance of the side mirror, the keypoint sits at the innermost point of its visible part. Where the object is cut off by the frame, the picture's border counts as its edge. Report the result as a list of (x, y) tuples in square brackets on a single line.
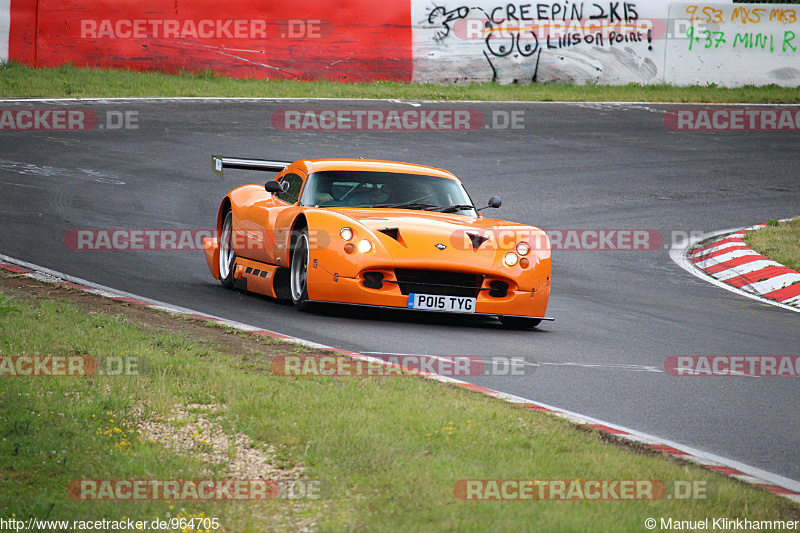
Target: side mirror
[(494, 203), (273, 187)]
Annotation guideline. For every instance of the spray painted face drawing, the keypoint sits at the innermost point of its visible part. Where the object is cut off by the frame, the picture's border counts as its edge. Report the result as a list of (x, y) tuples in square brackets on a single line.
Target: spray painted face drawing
[(533, 43)]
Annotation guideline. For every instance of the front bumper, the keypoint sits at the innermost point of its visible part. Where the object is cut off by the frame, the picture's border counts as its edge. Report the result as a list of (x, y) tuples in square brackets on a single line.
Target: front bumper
[(326, 287)]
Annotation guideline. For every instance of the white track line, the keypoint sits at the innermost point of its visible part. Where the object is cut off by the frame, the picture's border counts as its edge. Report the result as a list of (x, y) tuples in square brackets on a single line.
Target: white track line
[(212, 99)]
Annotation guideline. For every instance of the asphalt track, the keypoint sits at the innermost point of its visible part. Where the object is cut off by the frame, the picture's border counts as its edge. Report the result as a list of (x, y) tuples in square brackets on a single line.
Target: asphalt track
[(619, 314)]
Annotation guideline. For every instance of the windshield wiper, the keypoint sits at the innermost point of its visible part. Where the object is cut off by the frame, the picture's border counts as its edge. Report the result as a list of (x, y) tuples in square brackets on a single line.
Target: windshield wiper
[(454, 208), (409, 205)]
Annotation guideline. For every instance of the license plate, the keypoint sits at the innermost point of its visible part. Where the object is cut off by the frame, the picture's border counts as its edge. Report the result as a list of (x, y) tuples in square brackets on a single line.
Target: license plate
[(433, 302)]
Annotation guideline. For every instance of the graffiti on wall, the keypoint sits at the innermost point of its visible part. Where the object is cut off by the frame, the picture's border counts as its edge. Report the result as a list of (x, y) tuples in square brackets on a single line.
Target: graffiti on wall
[(753, 28), (528, 43), (735, 44)]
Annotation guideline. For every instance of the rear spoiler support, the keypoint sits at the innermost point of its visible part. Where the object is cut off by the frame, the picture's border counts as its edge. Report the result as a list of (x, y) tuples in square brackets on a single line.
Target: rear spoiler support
[(218, 163)]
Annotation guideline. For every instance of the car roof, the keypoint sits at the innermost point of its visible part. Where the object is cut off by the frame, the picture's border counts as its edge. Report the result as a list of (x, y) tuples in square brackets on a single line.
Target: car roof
[(373, 165)]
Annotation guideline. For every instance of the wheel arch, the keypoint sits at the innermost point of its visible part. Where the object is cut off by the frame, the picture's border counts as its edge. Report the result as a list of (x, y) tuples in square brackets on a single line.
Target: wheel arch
[(227, 281), (300, 223), (223, 208)]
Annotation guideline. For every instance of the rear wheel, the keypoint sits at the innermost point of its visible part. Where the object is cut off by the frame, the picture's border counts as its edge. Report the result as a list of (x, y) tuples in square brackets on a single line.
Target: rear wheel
[(227, 257), (298, 272), (519, 322)]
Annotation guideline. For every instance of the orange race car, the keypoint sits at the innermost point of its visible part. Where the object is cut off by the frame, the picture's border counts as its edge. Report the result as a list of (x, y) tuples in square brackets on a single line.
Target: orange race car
[(376, 233)]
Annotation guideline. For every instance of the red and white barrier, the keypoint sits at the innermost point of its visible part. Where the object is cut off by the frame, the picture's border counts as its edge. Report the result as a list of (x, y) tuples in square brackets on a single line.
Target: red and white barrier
[(358, 40)]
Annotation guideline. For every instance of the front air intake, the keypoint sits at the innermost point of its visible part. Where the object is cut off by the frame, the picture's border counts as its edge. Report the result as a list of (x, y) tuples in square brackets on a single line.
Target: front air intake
[(438, 282), (373, 280)]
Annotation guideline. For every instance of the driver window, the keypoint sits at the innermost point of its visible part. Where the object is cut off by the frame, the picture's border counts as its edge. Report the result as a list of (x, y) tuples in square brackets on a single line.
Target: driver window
[(293, 184)]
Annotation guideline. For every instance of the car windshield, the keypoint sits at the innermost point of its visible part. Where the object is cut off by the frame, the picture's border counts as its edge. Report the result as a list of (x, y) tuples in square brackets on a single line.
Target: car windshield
[(355, 188)]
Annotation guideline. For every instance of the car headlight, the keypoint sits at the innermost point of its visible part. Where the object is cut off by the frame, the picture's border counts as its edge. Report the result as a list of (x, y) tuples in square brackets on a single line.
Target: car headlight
[(364, 246), (523, 248), (510, 259), (346, 234)]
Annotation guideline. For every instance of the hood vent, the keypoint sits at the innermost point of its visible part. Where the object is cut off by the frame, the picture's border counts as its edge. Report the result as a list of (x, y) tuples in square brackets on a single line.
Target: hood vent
[(394, 233), (476, 240)]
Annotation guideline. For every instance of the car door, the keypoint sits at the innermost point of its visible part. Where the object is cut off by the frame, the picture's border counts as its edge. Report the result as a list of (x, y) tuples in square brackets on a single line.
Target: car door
[(263, 225), (283, 215)]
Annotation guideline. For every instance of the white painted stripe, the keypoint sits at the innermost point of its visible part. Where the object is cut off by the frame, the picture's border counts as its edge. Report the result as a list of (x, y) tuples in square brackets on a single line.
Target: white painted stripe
[(762, 225), (214, 99), (720, 247), (5, 28), (773, 284), (747, 479), (725, 257), (793, 301), (487, 359), (746, 268), (614, 366)]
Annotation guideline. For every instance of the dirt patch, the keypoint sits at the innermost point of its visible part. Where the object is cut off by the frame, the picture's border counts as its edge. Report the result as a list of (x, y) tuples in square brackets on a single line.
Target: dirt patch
[(188, 431)]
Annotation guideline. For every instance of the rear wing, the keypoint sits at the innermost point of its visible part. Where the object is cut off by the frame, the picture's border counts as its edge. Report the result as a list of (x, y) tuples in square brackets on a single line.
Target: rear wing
[(218, 163)]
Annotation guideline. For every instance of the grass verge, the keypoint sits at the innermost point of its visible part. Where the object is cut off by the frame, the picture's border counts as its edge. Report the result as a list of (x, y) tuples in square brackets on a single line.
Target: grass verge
[(387, 451), (778, 241), (18, 81)]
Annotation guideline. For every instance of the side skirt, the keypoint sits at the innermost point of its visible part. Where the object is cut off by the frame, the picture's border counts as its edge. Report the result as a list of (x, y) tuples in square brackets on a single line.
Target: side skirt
[(261, 278)]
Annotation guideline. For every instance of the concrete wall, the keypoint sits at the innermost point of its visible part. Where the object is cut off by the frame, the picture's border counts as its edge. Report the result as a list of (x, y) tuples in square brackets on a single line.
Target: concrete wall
[(607, 42), (520, 41)]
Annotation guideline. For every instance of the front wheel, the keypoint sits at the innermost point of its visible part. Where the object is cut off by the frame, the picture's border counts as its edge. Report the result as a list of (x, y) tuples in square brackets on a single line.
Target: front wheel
[(519, 322), (298, 272), (227, 256)]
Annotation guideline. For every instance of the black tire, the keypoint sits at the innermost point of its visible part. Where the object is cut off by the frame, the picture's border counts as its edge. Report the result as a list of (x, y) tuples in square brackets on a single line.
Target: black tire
[(227, 256), (298, 271), (519, 322)]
